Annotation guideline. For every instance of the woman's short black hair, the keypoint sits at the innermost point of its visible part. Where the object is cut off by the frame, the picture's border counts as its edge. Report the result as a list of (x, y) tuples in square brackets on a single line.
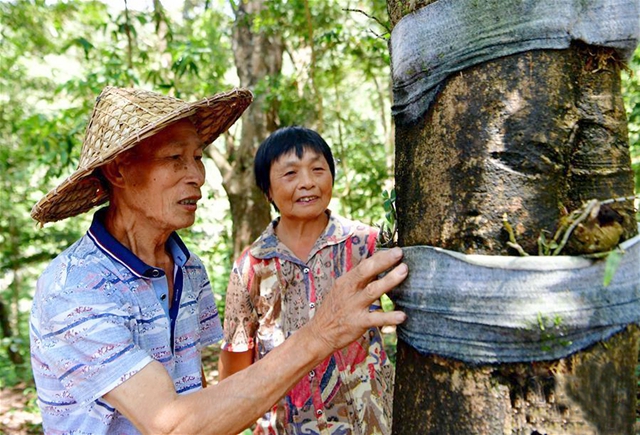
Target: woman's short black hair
[(282, 142)]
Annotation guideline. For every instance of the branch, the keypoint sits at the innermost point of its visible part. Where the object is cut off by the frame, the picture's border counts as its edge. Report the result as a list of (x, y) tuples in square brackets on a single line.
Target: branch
[(220, 161), (127, 31), (234, 8), (370, 17)]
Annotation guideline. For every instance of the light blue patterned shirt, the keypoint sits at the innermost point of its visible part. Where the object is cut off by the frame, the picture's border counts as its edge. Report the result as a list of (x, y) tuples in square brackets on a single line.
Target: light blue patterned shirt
[(100, 315)]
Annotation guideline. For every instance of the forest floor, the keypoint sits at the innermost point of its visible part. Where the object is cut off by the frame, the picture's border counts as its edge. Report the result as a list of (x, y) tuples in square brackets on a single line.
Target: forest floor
[(17, 416)]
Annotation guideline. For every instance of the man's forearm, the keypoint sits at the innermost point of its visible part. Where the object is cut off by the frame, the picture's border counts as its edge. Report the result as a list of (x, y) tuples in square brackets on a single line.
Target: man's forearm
[(149, 399), (245, 396)]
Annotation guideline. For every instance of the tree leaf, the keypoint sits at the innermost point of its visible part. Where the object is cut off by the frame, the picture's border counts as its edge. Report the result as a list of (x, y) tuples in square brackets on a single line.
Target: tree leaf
[(612, 264)]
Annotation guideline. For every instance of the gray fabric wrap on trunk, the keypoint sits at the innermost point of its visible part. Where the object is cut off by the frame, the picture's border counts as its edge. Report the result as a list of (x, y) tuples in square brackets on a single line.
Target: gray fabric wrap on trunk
[(449, 35), (498, 309)]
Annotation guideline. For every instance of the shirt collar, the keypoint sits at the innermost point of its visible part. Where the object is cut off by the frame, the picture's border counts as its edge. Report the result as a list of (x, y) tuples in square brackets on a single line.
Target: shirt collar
[(117, 251), (268, 245)]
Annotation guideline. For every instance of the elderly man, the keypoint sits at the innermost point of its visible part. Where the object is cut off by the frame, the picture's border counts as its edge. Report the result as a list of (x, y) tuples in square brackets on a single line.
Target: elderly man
[(120, 317)]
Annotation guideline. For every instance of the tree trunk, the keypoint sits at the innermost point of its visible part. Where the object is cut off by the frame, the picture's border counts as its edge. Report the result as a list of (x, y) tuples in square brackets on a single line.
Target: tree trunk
[(257, 55), (563, 141)]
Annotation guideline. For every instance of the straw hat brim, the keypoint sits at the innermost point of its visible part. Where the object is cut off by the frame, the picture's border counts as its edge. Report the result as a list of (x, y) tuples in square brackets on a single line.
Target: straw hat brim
[(83, 190)]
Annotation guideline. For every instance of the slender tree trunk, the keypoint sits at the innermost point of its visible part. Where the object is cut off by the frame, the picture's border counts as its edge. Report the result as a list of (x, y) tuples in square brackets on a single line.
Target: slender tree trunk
[(313, 68), (257, 55), (563, 140), (127, 32)]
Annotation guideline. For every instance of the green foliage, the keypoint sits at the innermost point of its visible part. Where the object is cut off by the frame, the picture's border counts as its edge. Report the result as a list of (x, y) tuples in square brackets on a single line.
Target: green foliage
[(389, 206), (552, 332), (335, 80), (387, 237), (36, 145), (360, 176), (612, 263), (631, 94), (210, 239)]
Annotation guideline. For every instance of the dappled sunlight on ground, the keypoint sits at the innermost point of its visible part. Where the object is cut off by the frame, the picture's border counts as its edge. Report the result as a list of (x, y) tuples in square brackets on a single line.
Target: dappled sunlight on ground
[(17, 416)]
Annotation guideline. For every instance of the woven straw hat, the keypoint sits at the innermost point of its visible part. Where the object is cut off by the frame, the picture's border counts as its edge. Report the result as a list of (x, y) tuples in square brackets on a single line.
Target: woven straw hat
[(121, 118)]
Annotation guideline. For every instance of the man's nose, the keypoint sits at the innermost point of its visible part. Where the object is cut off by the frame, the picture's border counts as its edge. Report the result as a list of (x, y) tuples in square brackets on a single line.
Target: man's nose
[(196, 172)]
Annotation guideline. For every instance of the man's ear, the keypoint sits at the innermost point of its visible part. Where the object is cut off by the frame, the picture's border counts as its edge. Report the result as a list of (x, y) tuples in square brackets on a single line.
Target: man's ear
[(113, 172)]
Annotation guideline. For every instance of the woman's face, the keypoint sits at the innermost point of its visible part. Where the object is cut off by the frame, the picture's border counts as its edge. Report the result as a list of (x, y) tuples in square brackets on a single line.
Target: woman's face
[(301, 188)]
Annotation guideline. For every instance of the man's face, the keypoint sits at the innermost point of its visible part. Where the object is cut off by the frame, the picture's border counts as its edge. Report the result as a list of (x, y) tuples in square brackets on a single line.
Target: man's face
[(162, 177)]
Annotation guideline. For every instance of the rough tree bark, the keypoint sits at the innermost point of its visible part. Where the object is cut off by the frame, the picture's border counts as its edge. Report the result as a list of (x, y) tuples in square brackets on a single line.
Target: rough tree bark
[(563, 141), (257, 56)]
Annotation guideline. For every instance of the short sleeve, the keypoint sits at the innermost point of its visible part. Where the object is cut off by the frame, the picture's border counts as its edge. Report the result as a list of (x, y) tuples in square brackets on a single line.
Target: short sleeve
[(83, 331)]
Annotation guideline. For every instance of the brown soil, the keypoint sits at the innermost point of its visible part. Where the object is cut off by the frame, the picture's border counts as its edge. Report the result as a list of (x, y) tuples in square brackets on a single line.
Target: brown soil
[(16, 416)]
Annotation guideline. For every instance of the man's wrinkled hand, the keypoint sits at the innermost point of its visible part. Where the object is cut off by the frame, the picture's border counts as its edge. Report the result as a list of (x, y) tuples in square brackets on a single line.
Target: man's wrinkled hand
[(345, 312)]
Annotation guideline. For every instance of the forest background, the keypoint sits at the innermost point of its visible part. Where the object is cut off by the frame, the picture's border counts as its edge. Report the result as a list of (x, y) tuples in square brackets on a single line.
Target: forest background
[(319, 63)]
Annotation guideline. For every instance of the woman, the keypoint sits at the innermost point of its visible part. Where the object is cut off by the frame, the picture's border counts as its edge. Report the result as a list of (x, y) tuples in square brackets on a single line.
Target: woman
[(279, 281)]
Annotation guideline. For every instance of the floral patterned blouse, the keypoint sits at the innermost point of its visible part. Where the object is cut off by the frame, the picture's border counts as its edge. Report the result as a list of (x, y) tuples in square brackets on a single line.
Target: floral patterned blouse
[(272, 293)]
